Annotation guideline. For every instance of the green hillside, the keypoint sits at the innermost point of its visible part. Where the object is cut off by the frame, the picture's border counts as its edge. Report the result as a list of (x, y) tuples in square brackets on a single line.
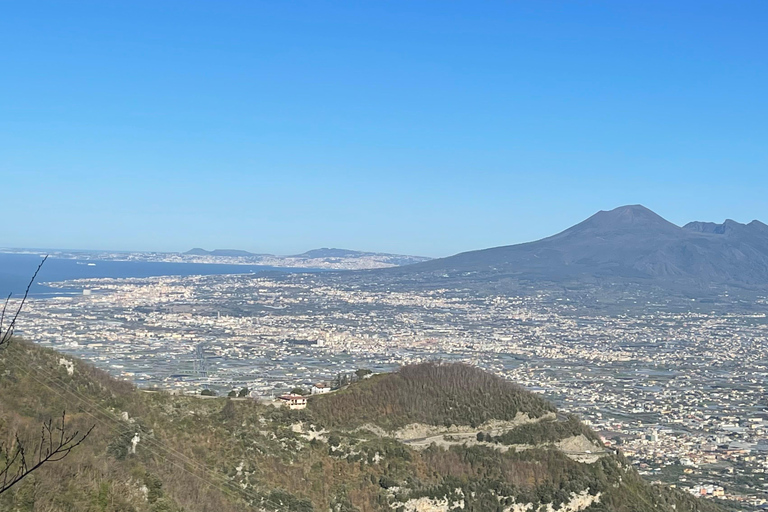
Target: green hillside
[(429, 437), (429, 393)]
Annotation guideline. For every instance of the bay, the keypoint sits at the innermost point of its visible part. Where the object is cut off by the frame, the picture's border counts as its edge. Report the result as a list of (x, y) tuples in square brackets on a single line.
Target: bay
[(16, 269)]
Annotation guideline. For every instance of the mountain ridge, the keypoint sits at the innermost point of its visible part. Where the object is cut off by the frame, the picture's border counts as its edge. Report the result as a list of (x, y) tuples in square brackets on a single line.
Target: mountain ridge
[(323, 252), (626, 243)]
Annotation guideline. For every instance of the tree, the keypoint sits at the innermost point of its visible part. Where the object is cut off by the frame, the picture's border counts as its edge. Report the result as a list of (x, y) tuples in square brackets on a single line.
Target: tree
[(244, 392), (362, 372), (208, 392), (298, 390), (341, 380), (232, 394), (17, 460), (334, 440), (228, 411)]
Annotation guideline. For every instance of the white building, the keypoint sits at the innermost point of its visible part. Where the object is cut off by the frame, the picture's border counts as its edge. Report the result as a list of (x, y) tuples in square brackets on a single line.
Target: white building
[(320, 388), (294, 401)]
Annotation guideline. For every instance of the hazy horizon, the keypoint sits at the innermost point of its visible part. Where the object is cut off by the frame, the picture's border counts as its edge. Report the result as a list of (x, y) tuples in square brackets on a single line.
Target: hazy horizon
[(107, 249)]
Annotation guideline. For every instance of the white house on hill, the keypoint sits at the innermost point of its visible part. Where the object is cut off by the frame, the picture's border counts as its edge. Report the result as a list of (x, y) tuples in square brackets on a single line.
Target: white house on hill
[(294, 401), (320, 388)]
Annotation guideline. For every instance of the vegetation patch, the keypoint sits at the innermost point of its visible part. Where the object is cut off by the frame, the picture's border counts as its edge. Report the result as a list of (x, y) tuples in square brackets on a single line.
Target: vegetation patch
[(431, 393)]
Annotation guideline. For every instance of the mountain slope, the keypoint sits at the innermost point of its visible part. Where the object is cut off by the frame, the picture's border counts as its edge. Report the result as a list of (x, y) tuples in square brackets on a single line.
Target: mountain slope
[(627, 243), (216, 454)]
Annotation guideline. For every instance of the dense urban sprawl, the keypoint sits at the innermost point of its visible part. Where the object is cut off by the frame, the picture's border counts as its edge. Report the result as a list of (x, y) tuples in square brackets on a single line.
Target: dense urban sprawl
[(681, 391)]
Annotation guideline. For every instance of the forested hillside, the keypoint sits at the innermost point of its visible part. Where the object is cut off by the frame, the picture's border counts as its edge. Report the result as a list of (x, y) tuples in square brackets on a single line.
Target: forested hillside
[(436, 394), (430, 437)]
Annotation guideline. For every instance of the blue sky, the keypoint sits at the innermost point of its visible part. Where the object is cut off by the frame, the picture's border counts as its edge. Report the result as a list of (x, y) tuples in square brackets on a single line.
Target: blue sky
[(413, 127)]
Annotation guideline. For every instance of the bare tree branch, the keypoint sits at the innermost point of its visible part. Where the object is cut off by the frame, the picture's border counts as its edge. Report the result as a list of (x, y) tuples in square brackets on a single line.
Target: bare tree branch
[(2, 317), (5, 336), (54, 444), (51, 448)]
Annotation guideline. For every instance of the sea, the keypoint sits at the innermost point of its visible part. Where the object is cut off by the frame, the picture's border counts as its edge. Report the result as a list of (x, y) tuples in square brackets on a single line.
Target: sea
[(16, 270)]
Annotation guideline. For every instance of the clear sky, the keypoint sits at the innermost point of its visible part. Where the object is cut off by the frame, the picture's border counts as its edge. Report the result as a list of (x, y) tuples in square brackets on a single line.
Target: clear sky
[(413, 127)]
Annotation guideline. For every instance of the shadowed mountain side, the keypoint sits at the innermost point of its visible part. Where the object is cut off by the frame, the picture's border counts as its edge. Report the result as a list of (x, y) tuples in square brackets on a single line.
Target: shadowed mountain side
[(627, 243)]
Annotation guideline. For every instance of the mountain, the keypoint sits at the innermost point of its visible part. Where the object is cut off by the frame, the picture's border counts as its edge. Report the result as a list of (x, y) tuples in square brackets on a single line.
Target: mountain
[(629, 243), (430, 437)]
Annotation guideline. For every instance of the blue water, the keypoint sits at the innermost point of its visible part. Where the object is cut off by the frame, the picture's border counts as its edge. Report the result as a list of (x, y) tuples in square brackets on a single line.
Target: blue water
[(17, 269)]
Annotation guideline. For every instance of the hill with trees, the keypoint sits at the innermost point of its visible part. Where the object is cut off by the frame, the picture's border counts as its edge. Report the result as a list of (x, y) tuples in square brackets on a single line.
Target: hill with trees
[(487, 445), (436, 394)]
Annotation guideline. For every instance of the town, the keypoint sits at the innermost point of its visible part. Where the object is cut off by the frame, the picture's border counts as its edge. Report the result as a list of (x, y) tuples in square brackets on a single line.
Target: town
[(679, 389)]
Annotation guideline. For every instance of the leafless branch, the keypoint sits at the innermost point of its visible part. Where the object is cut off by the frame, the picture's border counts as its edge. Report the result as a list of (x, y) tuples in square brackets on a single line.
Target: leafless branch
[(5, 336), (52, 447), (55, 443), (2, 316)]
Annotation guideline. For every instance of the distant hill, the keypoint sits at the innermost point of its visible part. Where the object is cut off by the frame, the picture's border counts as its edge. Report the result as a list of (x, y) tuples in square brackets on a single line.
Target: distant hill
[(331, 253), (430, 437), (337, 253), (220, 252), (629, 243), (325, 258)]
